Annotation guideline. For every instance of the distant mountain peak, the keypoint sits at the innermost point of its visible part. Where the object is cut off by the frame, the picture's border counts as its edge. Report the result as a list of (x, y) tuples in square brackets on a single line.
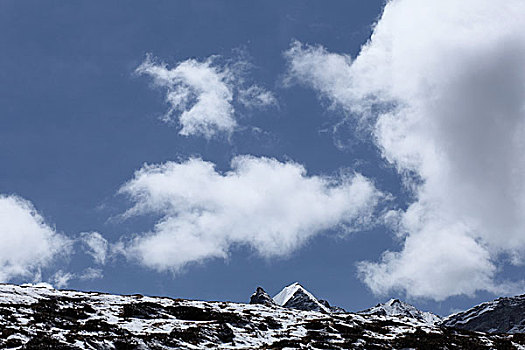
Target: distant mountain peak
[(295, 296), (396, 307), (288, 292)]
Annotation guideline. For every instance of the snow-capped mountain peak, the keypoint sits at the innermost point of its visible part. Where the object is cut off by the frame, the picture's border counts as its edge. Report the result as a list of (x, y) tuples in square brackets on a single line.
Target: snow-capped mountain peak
[(296, 296), (396, 307), (286, 293)]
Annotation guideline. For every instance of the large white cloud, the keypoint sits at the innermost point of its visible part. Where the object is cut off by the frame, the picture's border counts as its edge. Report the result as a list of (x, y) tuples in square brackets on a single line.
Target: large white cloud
[(442, 85), (202, 94), (27, 243), (273, 207)]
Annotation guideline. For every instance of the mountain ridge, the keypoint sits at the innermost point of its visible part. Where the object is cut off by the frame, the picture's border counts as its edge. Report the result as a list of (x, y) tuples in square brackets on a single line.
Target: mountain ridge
[(396, 307), (502, 315)]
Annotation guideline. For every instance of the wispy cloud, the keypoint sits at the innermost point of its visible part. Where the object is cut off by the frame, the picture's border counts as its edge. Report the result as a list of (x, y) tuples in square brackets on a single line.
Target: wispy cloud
[(270, 206), (62, 279), (95, 245), (257, 97), (448, 80), (90, 274)]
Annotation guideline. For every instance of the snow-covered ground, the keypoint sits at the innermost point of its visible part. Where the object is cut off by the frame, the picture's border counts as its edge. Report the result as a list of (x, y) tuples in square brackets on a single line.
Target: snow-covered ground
[(36, 317)]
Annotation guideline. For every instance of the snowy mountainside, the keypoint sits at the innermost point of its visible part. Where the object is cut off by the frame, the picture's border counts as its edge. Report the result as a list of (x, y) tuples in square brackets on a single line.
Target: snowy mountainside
[(396, 307), (44, 318), (503, 315)]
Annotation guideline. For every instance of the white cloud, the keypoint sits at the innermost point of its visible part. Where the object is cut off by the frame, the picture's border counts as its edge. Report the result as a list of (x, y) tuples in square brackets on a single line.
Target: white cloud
[(27, 243), (314, 66), (270, 206), (202, 94), (95, 245), (448, 80)]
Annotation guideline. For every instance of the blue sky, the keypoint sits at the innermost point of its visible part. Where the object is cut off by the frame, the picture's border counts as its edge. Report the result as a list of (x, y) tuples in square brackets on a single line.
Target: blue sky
[(79, 119)]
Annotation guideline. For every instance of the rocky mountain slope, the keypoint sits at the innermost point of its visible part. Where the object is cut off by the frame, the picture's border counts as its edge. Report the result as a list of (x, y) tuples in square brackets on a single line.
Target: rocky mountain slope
[(33, 317), (503, 315)]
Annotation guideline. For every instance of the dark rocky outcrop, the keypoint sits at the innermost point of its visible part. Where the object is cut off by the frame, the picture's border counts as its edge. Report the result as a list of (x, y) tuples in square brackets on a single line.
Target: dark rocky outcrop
[(261, 297)]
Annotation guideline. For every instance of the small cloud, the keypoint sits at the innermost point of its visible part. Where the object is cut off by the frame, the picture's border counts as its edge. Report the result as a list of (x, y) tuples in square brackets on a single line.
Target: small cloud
[(255, 97), (61, 279), (202, 94)]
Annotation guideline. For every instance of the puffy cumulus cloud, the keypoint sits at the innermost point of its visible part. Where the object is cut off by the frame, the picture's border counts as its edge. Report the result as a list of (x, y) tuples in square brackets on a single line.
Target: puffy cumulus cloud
[(95, 245), (202, 94), (442, 86), (271, 206), (27, 243)]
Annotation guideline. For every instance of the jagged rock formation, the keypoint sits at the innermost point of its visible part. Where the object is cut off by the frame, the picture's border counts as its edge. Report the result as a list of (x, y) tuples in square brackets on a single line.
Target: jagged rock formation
[(44, 318), (503, 315), (261, 297), (396, 307)]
